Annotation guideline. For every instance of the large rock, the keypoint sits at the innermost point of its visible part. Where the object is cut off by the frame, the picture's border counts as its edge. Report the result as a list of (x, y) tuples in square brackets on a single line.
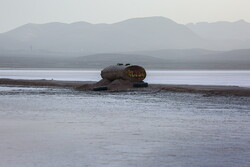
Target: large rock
[(116, 85), (120, 85)]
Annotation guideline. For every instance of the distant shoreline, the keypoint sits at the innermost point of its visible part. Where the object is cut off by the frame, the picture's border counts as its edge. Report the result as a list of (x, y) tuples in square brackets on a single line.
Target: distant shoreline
[(206, 90)]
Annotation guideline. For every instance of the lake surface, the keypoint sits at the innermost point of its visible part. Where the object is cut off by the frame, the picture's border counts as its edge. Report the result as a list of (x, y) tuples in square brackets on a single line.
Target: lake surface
[(232, 78), (65, 128)]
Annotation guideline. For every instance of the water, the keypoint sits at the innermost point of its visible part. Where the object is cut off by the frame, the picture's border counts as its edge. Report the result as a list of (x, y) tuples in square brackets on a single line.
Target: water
[(230, 78), (62, 127)]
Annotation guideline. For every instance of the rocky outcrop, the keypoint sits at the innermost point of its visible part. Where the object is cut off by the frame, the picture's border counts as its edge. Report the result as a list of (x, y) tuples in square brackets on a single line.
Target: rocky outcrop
[(116, 85)]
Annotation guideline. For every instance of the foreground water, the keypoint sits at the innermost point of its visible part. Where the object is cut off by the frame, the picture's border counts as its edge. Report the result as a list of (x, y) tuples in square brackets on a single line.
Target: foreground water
[(230, 78), (62, 127)]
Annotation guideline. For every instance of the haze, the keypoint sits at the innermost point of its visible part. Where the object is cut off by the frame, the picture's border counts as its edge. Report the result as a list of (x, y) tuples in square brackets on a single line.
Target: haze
[(14, 13)]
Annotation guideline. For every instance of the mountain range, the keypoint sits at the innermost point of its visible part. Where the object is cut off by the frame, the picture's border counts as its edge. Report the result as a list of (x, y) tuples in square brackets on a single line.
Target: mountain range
[(170, 59), (222, 30), (154, 42), (151, 33)]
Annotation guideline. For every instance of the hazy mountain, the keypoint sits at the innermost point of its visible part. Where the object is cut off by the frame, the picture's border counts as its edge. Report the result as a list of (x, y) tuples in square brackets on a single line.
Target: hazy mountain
[(96, 61), (169, 54), (152, 33), (193, 59), (106, 59), (134, 34), (239, 30)]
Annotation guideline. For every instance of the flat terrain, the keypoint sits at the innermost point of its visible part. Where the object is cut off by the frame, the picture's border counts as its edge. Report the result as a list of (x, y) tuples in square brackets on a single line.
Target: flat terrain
[(88, 86)]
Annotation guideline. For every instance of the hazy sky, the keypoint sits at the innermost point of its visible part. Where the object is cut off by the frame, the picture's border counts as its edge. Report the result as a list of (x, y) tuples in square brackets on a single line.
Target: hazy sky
[(14, 13)]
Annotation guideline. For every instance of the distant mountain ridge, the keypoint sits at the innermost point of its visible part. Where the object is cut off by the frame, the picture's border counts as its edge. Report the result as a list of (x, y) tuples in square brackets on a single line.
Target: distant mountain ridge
[(222, 30), (151, 33), (191, 59)]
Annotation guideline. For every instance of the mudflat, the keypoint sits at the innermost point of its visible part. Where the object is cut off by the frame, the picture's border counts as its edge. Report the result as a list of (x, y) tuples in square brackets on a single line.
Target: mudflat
[(121, 85)]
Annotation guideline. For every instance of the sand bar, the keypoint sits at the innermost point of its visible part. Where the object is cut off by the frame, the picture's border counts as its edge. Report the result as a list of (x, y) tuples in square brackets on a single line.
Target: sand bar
[(120, 86)]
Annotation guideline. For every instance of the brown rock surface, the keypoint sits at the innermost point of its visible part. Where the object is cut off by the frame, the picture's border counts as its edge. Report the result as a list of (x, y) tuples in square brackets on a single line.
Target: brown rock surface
[(116, 85), (120, 85)]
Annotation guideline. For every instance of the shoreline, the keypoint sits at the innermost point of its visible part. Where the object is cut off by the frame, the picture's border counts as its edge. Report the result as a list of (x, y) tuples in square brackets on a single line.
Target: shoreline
[(206, 90)]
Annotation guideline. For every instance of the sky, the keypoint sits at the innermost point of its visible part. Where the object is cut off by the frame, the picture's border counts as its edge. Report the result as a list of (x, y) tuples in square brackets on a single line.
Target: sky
[(14, 13)]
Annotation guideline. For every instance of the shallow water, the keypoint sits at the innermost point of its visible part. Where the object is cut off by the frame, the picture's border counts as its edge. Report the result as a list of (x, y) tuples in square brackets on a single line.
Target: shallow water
[(230, 78), (62, 127)]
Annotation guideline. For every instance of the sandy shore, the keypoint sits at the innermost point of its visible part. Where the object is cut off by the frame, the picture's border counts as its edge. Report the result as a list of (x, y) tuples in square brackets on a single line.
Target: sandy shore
[(125, 86)]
